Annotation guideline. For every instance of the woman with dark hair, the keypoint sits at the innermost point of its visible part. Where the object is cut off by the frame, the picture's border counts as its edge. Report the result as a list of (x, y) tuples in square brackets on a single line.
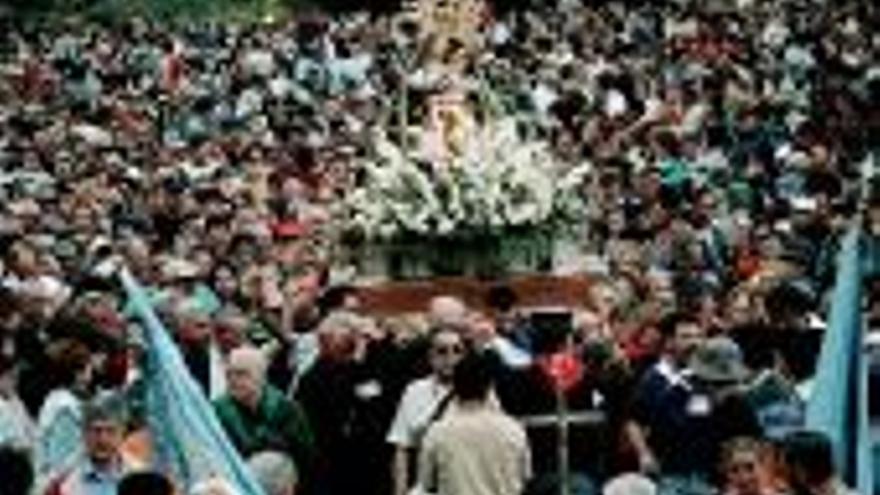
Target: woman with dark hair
[(225, 283)]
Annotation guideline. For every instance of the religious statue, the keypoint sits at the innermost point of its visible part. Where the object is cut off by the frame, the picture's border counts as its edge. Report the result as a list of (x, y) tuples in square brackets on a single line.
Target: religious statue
[(451, 34)]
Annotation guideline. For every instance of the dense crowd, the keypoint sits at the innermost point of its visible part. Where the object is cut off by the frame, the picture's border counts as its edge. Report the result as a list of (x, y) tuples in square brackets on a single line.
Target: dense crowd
[(728, 142)]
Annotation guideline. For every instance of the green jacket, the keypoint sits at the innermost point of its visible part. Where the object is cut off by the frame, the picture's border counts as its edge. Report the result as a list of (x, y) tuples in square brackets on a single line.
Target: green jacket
[(278, 424)]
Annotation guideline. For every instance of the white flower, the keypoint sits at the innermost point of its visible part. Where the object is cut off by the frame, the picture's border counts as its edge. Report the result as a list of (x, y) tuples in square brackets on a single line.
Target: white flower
[(497, 180)]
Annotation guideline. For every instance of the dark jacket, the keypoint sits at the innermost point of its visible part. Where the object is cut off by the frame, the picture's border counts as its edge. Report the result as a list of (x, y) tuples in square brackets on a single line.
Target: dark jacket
[(350, 406)]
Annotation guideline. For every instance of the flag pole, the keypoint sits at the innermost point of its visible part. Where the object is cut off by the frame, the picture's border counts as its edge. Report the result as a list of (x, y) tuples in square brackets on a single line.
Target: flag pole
[(562, 423), (564, 433)]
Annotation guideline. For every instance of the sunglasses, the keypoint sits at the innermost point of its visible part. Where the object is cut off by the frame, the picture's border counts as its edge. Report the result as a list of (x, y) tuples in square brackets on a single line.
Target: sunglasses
[(448, 350)]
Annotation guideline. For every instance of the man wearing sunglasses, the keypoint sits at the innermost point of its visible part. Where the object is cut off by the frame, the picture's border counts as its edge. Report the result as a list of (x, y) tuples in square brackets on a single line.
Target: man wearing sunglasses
[(423, 402)]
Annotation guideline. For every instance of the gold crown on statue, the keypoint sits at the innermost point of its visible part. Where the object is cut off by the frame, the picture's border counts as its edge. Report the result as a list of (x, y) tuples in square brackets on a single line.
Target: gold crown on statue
[(450, 19)]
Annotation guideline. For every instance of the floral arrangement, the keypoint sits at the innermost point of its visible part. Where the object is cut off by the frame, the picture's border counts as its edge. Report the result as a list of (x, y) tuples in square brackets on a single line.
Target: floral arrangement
[(496, 181)]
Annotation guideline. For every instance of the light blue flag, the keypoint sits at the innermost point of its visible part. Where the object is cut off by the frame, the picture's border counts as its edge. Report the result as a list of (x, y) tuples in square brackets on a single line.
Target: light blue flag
[(838, 405), (189, 441), (59, 442)]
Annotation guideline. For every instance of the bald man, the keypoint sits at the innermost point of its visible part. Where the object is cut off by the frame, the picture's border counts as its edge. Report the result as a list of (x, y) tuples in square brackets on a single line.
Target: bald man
[(447, 312), (257, 416)]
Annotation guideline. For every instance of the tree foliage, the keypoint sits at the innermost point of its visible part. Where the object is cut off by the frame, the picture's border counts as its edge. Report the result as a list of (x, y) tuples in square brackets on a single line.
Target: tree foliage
[(118, 10)]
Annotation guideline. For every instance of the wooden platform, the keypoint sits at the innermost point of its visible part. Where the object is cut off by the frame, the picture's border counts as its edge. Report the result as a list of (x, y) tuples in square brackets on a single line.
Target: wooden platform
[(394, 298)]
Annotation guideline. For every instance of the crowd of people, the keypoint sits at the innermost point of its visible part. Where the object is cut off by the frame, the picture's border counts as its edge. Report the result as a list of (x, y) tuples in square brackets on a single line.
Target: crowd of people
[(729, 142)]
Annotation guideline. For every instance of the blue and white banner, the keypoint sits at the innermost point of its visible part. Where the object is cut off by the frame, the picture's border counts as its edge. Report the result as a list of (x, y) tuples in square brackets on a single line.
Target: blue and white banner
[(838, 405), (189, 442)]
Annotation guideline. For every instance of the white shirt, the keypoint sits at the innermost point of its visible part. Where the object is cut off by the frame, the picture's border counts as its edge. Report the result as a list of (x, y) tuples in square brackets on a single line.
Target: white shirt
[(416, 409), (16, 427), (218, 384), (306, 352), (510, 354)]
